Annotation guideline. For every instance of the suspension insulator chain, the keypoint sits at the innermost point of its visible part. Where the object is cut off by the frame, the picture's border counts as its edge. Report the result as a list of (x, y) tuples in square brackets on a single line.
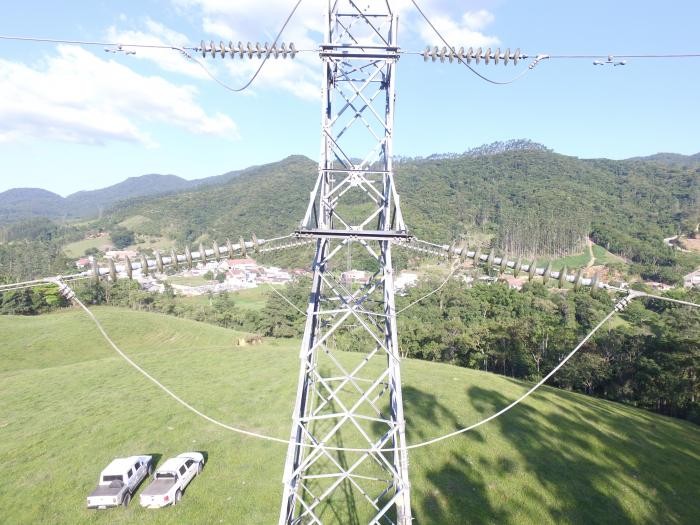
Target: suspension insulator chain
[(249, 50), (471, 54)]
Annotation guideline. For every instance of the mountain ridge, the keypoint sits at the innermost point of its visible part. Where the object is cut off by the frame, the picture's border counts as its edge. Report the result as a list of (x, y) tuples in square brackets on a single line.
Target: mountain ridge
[(18, 204)]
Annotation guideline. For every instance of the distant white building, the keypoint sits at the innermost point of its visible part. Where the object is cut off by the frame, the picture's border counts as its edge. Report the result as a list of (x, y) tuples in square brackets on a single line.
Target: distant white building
[(405, 279), (275, 275), (81, 263), (242, 264), (354, 276), (120, 255), (692, 280)]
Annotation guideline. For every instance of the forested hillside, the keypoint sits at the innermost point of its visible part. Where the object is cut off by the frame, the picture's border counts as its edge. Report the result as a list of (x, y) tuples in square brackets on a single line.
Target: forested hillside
[(525, 200), (528, 202)]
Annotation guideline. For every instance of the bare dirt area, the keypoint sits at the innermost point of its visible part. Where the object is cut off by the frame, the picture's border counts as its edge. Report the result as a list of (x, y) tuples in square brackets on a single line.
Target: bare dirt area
[(692, 245)]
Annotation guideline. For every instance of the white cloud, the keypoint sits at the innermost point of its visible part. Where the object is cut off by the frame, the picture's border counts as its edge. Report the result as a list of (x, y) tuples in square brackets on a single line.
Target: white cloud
[(476, 20), (253, 20), (75, 96), (459, 33), (158, 34)]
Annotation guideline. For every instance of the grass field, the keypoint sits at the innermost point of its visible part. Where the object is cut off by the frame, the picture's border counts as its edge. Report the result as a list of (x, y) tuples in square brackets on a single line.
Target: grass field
[(571, 262), (249, 298), (68, 405), (77, 249), (154, 242), (135, 222), (254, 298), (602, 256), (188, 280)]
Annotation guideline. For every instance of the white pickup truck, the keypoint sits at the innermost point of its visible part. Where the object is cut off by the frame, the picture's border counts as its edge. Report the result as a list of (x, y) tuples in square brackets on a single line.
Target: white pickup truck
[(170, 480), (119, 481)]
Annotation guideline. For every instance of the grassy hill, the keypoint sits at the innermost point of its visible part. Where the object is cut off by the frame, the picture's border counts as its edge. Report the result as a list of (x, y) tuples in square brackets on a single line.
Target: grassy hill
[(69, 405)]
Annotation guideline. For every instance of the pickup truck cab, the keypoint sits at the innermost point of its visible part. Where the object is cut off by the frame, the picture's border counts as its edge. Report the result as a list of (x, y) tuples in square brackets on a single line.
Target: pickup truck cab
[(119, 481), (170, 480)]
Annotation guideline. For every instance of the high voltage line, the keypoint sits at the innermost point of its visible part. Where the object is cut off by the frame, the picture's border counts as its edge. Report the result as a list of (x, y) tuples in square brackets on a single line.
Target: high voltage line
[(67, 292), (264, 51)]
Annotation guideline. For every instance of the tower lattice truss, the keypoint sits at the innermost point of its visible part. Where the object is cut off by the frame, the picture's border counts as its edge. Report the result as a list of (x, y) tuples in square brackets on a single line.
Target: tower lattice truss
[(352, 399)]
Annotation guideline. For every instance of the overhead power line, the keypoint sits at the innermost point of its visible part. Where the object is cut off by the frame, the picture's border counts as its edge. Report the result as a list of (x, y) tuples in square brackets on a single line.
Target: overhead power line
[(181, 49), (619, 306), (267, 56), (461, 59)]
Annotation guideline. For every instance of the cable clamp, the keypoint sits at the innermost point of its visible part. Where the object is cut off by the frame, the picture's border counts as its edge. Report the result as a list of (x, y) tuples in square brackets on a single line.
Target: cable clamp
[(625, 301), (65, 290), (539, 58)]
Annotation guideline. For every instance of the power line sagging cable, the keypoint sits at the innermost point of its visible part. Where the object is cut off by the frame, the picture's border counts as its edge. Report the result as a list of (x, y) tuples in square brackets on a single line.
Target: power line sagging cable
[(69, 294), (181, 49), (286, 299), (262, 64), (461, 60), (436, 290)]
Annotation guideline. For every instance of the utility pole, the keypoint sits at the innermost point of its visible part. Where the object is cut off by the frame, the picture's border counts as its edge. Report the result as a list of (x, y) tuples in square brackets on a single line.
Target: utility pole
[(352, 400)]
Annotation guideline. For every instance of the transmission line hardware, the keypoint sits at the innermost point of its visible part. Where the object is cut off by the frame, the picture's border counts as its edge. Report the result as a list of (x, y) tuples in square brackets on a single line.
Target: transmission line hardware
[(471, 54), (249, 50)]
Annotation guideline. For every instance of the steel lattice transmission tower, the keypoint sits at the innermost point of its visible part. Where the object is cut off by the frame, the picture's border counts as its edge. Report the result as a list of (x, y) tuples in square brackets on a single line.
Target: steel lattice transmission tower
[(352, 399)]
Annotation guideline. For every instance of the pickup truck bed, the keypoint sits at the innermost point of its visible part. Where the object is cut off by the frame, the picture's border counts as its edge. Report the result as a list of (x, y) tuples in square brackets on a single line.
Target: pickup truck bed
[(104, 496), (158, 487), (105, 490)]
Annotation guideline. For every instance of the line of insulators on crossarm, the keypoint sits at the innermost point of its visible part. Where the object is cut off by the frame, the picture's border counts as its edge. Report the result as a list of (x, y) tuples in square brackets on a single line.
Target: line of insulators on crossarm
[(477, 55), (249, 50), (187, 260), (503, 264)]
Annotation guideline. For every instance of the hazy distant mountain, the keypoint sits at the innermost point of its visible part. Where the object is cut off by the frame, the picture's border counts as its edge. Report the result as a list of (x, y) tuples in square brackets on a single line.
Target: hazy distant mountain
[(673, 159), (91, 203), (23, 203), (494, 148), (19, 204)]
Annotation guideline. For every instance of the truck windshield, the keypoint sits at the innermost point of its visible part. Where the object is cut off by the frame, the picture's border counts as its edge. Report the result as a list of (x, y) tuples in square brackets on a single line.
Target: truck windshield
[(165, 475), (111, 477)]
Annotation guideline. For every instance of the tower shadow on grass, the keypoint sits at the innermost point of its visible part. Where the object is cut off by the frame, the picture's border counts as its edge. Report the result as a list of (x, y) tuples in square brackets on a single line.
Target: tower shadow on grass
[(580, 461), (457, 490), (588, 459)]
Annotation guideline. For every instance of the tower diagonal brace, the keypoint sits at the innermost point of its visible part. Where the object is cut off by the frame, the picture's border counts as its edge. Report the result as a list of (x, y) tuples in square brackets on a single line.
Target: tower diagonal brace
[(352, 400)]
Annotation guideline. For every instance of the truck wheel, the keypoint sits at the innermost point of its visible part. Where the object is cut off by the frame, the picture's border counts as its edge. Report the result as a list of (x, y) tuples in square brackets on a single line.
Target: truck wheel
[(150, 469), (127, 499), (178, 497), (200, 467)]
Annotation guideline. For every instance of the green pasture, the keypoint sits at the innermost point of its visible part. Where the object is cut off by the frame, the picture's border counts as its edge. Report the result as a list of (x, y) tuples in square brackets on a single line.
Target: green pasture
[(69, 404)]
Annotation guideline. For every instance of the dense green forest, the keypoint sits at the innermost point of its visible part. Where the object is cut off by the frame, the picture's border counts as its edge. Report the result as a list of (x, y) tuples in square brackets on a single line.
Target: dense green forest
[(34, 248), (527, 202)]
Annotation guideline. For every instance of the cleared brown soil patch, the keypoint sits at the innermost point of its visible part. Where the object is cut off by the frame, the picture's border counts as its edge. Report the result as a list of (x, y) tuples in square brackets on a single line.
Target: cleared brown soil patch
[(691, 244)]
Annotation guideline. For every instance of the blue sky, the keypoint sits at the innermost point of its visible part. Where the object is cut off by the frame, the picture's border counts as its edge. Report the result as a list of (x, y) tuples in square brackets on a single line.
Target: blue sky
[(74, 118)]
